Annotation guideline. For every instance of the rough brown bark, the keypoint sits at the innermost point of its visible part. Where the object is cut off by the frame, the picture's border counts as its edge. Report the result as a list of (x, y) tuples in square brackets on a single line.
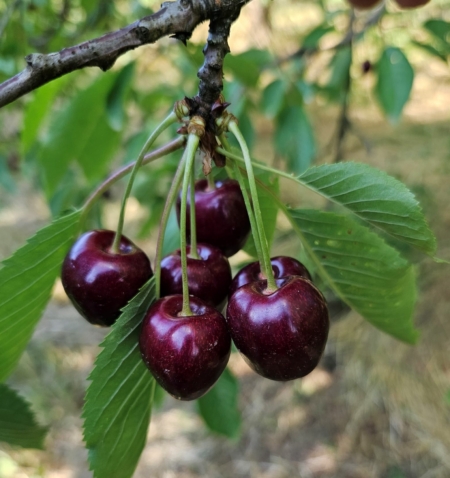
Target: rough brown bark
[(178, 18)]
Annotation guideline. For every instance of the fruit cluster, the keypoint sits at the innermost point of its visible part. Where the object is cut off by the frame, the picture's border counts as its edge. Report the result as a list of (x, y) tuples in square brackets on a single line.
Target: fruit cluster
[(281, 334)]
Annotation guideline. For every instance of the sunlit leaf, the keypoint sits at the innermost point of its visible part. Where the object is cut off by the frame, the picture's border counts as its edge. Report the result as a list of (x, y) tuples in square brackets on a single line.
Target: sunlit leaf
[(395, 80), (219, 407), (119, 399), (17, 423), (26, 283), (273, 97), (294, 138), (361, 268), (375, 197)]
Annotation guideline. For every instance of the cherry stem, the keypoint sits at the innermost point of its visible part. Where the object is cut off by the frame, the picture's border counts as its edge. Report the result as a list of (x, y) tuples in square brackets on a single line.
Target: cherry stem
[(211, 182), (248, 204), (194, 252), (171, 118), (191, 148), (265, 257), (120, 173), (171, 196)]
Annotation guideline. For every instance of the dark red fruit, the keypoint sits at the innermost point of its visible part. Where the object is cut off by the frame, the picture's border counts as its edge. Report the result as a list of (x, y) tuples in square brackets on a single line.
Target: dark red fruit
[(100, 283), (221, 217), (364, 4), (208, 277), (186, 355), (281, 335), (366, 66), (411, 3), (282, 266)]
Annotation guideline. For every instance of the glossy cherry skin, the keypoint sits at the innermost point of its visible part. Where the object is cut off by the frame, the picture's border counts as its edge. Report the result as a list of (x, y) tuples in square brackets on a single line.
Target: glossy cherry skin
[(220, 215), (411, 3), (282, 266), (100, 283), (186, 355), (364, 4), (208, 277), (281, 335)]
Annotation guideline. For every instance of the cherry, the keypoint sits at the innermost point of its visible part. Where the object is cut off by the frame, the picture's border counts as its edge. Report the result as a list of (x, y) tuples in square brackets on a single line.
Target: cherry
[(282, 334), (411, 3), (282, 266), (100, 283), (366, 67), (221, 216), (208, 277), (185, 354), (364, 4)]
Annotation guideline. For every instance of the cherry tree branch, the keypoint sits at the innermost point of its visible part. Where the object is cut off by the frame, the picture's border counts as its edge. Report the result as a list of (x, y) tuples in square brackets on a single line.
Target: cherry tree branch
[(178, 18)]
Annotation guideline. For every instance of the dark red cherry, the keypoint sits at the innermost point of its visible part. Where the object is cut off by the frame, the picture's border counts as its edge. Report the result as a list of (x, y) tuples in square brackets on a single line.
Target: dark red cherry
[(100, 283), (282, 334), (221, 217), (282, 266), (364, 4), (411, 3), (186, 355), (208, 277)]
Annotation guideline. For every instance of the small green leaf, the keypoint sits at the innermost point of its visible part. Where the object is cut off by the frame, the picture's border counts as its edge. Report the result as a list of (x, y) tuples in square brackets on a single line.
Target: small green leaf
[(17, 423), (362, 269), (395, 80), (269, 210), (431, 50), (172, 235), (115, 110), (219, 407), (375, 197), (98, 149), (36, 111), (294, 138), (313, 37), (6, 179), (72, 129), (26, 283), (340, 70), (119, 399), (247, 66), (273, 98), (439, 28)]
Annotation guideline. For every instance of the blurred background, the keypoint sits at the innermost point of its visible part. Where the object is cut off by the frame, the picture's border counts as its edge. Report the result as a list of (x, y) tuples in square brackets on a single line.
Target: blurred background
[(375, 407)]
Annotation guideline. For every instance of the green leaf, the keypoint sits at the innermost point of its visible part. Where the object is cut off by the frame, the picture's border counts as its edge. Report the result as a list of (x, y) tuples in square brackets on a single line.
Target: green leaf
[(247, 66), (219, 407), (6, 179), (340, 67), (366, 273), (98, 149), (72, 130), (431, 50), (273, 98), (36, 111), (17, 423), (119, 399), (395, 80), (312, 39), (294, 138), (375, 197), (269, 210), (26, 283), (172, 235), (115, 101), (440, 29)]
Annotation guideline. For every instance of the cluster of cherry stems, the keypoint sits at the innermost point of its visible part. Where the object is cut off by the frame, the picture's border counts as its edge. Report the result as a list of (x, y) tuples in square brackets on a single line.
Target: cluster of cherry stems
[(275, 316)]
